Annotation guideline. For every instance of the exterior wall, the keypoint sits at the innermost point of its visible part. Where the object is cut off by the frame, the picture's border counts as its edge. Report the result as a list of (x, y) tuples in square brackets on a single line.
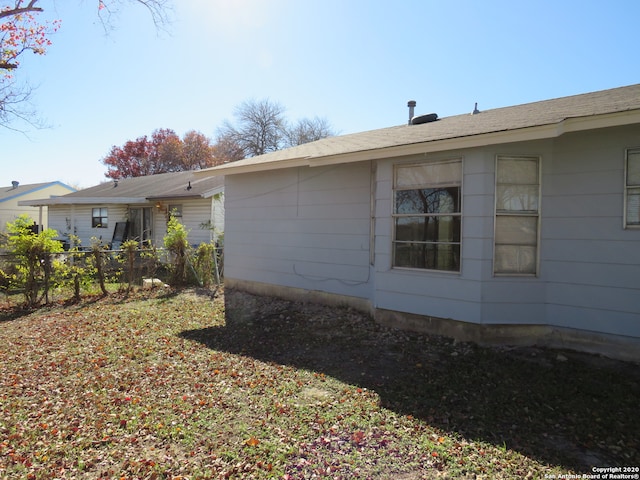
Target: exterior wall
[(590, 263), (76, 220), (10, 210), (197, 215), (306, 228), (432, 293)]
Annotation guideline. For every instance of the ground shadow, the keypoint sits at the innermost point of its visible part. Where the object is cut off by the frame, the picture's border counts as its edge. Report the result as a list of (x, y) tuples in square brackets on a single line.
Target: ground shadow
[(561, 408)]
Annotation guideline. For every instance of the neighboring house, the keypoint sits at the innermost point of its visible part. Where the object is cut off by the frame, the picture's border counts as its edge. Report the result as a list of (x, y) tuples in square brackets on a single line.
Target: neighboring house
[(139, 207), (10, 196), (517, 225)]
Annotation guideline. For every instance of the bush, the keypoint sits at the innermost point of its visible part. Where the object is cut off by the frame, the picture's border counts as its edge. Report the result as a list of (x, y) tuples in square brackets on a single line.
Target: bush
[(177, 245), (34, 253)]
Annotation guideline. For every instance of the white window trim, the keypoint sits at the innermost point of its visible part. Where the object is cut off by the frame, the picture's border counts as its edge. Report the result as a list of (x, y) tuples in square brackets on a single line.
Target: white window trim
[(625, 225), (394, 216), (100, 216), (538, 214)]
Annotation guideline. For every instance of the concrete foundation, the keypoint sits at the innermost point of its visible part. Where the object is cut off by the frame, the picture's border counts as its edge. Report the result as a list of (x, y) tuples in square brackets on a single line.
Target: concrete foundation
[(612, 346)]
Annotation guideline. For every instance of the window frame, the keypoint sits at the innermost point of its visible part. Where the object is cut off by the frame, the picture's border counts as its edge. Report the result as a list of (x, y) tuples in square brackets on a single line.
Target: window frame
[(97, 220), (502, 213), (627, 188), (144, 219), (425, 186), (174, 207)]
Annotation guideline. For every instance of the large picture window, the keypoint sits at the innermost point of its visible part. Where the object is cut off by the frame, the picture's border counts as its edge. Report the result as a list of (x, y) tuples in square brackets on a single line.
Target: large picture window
[(632, 188), (427, 216), (100, 217), (517, 215)]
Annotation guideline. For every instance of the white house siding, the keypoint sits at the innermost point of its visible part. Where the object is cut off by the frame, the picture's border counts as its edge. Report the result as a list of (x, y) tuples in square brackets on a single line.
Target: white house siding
[(590, 264), (76, 219), (301, 227), (196, 213)]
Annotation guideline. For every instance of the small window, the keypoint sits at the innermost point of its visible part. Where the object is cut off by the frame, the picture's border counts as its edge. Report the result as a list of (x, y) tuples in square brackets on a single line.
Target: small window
[(517, 215), (632, 188), (175, 211), (99, 217), (427, 216)]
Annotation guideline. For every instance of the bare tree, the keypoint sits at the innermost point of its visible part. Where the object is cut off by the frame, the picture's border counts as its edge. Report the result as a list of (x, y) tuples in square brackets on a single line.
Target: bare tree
[(261, 128), (308, 130), (21, 31), (158, 9), (15, 104), (226, 149)]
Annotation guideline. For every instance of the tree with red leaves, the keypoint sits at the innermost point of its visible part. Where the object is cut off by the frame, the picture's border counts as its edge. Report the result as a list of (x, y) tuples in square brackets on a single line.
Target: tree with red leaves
[(163, 152), (21, 31)]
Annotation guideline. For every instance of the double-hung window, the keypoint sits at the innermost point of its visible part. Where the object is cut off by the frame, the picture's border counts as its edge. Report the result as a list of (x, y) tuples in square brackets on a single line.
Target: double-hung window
[(100, 217), (517, 215), (632, 188), (427, 215)]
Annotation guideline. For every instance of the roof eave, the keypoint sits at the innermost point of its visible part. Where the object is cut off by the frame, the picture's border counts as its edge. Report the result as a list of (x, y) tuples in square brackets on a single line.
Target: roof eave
[(538, 132), (232, 168), (65, 200)]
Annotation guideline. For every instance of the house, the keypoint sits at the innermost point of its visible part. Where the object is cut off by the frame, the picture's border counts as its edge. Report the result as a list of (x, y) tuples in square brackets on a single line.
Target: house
[(517, 225), (139, 208), (10, 196)]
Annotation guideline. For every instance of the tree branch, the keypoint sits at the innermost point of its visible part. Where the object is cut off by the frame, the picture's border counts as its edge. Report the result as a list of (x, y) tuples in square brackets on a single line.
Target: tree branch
[(18, 11)]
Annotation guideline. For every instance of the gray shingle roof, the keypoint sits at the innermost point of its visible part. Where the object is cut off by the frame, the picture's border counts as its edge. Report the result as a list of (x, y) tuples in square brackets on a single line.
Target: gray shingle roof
[(9, 192), (507, 119), (163, 185)]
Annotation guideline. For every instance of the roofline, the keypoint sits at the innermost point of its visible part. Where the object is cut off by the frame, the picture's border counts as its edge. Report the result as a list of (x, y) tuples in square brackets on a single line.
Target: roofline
[(231, 168), (64, 200), (538, 132), (40, 187)]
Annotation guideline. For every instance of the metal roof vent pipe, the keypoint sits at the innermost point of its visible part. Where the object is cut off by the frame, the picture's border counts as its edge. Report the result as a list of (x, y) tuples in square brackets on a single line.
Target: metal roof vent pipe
[(412, 105), (15, 184)]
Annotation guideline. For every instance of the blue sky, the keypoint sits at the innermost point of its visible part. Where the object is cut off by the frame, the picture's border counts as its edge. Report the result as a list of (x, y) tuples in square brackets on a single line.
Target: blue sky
[(354, 62)]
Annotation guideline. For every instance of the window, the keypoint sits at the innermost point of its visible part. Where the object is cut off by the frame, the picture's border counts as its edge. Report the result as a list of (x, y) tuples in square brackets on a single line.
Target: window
[(175, 211), (517, 215), (427, 216), (632, 188), (100, 217)]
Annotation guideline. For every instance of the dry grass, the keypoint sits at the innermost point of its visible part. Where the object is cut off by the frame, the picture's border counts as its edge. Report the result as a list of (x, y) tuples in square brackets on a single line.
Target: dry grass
[(182, 386)]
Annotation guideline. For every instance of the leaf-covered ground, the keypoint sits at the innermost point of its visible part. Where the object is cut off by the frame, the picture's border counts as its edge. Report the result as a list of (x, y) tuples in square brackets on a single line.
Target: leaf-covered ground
[(180, 386)]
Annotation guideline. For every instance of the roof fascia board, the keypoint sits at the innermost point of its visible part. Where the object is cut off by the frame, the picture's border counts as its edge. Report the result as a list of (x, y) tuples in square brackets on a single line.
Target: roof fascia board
[(231, 169), (213, 192), (175, 197), (82, 201), (618, 119)]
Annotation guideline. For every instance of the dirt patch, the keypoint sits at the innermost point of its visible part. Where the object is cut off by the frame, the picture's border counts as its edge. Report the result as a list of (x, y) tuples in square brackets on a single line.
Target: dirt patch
[(565, 407)]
